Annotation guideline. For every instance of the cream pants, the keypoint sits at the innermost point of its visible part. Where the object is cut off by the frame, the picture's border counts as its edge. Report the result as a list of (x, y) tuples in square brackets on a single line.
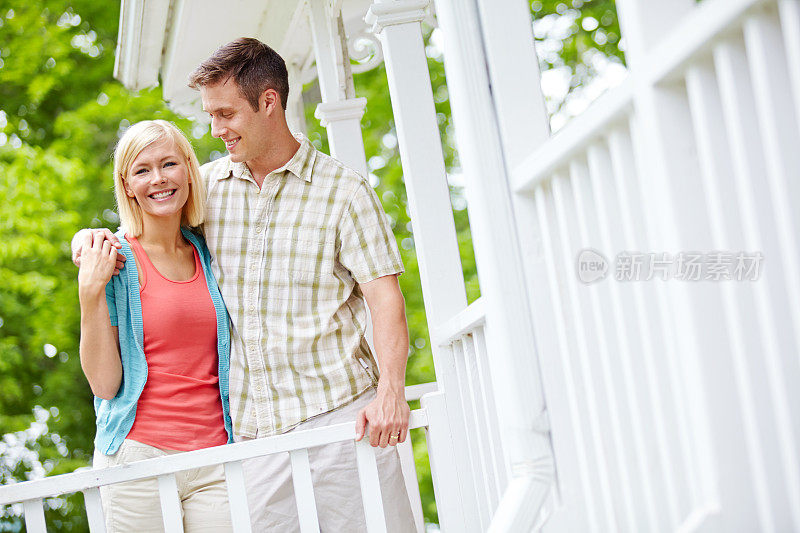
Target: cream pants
[(135, 506), (334, 474)]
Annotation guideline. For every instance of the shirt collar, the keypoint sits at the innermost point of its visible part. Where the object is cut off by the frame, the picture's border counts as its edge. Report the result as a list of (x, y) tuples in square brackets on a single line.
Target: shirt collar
[(300, 164)]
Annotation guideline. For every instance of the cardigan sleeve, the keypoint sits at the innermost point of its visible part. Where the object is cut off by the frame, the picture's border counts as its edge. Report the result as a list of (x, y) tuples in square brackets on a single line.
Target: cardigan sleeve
[(111, 302)]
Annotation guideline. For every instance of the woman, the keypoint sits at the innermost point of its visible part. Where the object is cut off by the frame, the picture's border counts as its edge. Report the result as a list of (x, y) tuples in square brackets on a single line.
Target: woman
[(154, 339)]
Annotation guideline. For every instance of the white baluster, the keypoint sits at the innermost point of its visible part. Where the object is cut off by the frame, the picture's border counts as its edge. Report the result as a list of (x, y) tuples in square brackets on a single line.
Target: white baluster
[(468, 413), (94, 510), (237, 497), (304, 491), (406, 451), (752, 192), (499, 468), (573, 470), (480, 427), (370, 487), (171, 511), (602, 177), (444, 463), (34, 516)]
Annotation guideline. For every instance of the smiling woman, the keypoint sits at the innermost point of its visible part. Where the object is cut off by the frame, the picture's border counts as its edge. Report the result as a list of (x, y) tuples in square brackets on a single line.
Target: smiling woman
[(143, 375), (159, 180), (156, 160)]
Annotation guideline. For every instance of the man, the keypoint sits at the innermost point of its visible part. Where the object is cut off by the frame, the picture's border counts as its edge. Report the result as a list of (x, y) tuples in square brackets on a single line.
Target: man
[(299, 243)]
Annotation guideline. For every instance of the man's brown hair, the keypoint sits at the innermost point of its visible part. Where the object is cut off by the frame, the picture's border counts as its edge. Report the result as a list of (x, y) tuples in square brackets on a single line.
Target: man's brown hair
[(254, 66)]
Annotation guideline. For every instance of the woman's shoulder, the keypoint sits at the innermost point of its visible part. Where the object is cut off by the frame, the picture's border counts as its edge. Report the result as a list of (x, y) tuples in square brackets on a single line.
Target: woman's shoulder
[(195, 236), (197, 239)]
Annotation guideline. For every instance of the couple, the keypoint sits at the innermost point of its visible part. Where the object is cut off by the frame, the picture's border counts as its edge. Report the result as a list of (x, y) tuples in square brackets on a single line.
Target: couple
[(296, 243)]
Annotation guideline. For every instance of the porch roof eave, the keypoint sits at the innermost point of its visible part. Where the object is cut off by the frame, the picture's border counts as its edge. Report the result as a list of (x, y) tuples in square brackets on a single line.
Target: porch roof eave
[(162, 41)]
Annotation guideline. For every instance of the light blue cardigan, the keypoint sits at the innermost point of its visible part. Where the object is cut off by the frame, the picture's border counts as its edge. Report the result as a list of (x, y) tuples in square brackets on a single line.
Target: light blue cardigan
[(115, 416)]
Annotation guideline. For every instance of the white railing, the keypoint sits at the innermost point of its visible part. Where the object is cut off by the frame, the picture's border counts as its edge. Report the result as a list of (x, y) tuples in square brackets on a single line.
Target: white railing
[(471, 406), (32, 493), (656, 389)]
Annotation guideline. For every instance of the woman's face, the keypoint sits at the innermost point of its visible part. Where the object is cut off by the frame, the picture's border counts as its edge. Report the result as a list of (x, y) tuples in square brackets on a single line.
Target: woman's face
[(159, 180)]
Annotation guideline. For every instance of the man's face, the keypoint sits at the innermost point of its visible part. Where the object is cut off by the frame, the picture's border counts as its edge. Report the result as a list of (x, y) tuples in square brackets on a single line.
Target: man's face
[(244, 131)]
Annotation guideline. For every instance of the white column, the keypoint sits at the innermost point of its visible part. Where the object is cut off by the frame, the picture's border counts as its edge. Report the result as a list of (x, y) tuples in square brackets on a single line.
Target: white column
[(340, 113), (397, 25), (342, 119), (509, 321), (295, 112)]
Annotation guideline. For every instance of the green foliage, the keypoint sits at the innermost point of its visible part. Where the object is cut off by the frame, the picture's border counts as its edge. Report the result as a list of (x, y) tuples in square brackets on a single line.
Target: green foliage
[(61, 114), (570, 34)]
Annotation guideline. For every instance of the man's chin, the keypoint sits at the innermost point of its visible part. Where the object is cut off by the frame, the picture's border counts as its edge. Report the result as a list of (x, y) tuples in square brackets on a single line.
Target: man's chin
[(236, 158)]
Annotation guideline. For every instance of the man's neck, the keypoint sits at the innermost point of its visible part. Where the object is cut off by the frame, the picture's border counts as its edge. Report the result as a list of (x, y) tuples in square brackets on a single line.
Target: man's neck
[(281, 149)]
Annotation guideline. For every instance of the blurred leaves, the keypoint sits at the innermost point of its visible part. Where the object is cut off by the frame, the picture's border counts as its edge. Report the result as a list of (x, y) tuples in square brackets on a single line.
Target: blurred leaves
[(577, 37)]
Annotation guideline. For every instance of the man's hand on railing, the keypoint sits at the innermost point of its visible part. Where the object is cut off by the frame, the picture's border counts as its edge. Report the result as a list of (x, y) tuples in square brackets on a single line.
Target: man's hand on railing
[(387, 416), (79, 238)]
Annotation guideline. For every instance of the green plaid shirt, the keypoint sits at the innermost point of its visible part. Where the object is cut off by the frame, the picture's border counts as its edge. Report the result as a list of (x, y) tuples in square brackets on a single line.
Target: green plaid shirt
[(288, 259)]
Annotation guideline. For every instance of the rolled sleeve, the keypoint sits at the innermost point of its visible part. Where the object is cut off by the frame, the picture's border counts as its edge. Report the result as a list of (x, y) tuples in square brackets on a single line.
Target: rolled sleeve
[(368, 247)]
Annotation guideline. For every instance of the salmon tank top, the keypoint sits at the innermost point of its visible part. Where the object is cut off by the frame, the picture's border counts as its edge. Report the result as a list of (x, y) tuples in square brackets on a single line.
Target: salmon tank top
[(180, 407)]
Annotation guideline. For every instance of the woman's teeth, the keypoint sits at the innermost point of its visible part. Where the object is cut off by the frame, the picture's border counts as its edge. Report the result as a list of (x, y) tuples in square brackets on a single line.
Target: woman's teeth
[(162, 195)]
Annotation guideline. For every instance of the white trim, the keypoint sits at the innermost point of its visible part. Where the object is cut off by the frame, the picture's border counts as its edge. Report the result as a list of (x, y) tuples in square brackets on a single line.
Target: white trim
[(694, 35), (140, 42), (539, 166), (415, 392), (351, 109), (459, 325), (383, 14)]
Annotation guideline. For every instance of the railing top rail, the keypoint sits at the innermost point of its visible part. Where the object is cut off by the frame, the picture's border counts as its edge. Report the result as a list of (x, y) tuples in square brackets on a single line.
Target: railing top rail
[(575, 136), (86, 479), (415, 392), (461, 324), (694, 35), (666, 60)]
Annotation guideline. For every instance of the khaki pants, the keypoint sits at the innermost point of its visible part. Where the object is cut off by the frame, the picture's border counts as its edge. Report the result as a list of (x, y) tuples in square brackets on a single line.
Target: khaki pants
[(135, 506), (334, 474)]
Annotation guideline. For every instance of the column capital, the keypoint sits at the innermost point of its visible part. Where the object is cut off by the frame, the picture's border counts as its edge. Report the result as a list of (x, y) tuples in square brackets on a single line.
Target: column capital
[(382, 14), (328, 112)]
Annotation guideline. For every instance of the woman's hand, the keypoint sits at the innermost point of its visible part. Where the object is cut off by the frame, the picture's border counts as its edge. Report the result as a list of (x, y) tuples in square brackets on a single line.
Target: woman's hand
[(99, 347), (86, 235), (98, 261)]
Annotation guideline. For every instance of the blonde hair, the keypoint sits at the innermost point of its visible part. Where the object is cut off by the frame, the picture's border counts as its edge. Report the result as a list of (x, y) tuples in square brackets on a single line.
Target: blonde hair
[(137, 138)]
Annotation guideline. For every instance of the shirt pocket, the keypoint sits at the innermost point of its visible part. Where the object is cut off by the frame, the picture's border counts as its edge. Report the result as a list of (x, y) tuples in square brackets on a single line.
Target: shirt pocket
[(304, 254)]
